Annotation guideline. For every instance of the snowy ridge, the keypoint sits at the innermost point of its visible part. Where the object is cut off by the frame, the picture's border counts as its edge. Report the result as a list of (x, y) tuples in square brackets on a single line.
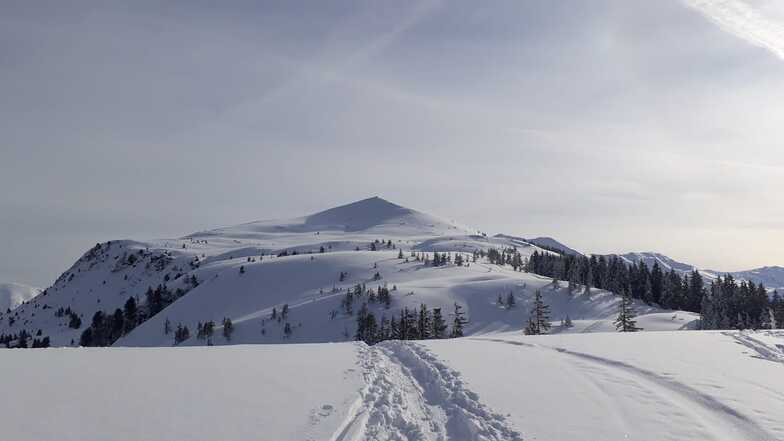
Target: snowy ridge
[(551, 244), (649, 258), (770, 276)]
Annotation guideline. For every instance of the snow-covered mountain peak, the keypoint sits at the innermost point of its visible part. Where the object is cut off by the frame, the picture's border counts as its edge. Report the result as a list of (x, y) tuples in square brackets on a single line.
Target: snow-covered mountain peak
[(373, 216), (552, 244), (770, 276), (363, 215)]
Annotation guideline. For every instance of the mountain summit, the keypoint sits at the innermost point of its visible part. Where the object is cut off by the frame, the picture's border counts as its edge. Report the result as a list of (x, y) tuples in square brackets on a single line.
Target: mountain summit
[(373, 216), (362, 215)]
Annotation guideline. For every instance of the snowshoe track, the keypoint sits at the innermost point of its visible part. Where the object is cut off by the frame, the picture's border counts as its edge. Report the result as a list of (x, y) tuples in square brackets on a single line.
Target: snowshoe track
[(703, 406), (411, 395)]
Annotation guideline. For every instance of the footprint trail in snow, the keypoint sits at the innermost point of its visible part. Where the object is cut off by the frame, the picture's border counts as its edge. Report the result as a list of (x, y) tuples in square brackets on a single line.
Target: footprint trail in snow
[(411, 395)]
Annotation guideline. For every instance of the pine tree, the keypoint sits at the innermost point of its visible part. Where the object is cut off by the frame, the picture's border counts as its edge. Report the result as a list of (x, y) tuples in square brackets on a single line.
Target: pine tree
[(510, 300), (542, 313), (361, 333), (459, 322), (424, 323), (530, 327), (588, 279), (539, 318), (131, 314), (228, 328), (625, 321), (438, 324)]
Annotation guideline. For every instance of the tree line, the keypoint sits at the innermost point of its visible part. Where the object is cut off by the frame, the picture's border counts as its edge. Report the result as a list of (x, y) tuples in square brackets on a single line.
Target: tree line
[(724, 303)]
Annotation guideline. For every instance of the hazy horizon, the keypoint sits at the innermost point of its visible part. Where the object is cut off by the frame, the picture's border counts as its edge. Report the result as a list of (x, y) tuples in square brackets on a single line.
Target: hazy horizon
[(611, 126)]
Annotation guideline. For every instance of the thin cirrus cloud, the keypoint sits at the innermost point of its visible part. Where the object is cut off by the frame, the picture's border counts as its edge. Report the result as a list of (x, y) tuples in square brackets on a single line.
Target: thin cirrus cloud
[(753, 21)]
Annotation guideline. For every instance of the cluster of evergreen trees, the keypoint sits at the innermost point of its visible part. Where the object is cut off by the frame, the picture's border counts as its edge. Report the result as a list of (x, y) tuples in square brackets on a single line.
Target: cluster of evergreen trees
[(508, 256), (204, 331), (377, 244), (438, 259), (106, 328), (412, 324), (728, 304), (73, 319), (360, 292), (159, 298), (22, 339), (651, 285), (724, 303), (281, 317), (181, 334)]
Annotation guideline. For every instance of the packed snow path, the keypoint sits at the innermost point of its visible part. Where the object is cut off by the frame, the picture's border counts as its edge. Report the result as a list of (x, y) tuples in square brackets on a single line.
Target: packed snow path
[(665, 395), (411, 395)]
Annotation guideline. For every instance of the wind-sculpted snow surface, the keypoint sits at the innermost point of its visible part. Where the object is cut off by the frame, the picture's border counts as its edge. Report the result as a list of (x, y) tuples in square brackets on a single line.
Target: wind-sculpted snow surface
[(695, 386), (658, 386), (767, 345), (411, 395)]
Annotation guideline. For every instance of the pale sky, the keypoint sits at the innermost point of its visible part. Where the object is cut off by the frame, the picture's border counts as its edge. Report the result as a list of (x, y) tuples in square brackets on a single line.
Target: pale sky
[(611, 125)]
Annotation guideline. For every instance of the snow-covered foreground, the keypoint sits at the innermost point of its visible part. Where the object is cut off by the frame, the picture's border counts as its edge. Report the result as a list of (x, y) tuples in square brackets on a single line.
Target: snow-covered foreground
[(646, 386), (282, 392)]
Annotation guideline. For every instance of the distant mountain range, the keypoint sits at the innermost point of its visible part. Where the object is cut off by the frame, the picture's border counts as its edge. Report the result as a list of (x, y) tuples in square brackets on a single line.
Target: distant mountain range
[(770, 276)]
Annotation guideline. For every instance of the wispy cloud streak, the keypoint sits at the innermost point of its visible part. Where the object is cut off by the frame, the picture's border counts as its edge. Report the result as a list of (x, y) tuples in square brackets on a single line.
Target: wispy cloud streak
[(745, 21)]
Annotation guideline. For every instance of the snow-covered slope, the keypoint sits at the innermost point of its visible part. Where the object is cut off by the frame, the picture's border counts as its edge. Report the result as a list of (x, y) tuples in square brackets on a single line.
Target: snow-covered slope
[(310, 285), (665, 386), (770, 276), (245, 271), (552, 244), (666, 263), (646, 386), (14, 294)]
